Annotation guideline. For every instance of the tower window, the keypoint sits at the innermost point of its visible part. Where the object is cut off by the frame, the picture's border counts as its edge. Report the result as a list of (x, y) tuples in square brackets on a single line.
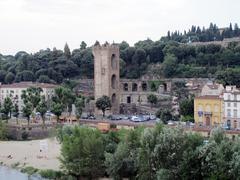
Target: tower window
[(114, 98), (114, 81), (114, 61)]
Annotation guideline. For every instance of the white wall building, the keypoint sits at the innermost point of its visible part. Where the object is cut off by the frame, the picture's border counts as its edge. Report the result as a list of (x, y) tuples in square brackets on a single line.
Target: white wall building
[(231, 98), (15, 90)]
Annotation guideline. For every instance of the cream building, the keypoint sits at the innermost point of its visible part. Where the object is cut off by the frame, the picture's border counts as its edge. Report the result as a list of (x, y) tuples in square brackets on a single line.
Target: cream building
[(15, 90), (212, 89), (231, 98)]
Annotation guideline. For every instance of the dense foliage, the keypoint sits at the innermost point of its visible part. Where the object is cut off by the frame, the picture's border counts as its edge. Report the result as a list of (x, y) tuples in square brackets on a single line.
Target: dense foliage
[(176, 57), (149, 153), (197, 34)]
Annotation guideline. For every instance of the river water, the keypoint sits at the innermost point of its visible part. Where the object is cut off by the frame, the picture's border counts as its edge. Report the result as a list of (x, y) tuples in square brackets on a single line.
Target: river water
[(12, 174)]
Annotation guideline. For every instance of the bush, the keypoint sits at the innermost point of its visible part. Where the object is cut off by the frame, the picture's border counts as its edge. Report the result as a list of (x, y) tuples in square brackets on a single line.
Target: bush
[(3, 131), (25, 135), (50, 174), (29, 170)]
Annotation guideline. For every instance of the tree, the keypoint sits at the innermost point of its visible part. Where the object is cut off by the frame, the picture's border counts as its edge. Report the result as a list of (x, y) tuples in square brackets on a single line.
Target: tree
[(42, 109), (152, 99), (7, 107), (44, 79), (9, 78), (65, 97), (32, 96), (186, 107), (67, 51), (82, 153), (164, 115), (169, 65), (16, 112), (83, 45), (57, 109), (103, 103), (27, 111), (80, 104)]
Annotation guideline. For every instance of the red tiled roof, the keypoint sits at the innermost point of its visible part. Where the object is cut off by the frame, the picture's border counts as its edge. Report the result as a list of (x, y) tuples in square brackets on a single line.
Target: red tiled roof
[(26, 84)]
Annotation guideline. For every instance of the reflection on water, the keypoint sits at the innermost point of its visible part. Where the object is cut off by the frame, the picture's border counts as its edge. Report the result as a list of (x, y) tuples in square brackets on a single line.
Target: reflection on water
[(12, 174)]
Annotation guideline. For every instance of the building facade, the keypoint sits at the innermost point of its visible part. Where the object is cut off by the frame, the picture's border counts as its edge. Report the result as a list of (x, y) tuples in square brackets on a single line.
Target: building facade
[(209, 106), (208, 111), (106, 74), (15, 90), (231, 97)]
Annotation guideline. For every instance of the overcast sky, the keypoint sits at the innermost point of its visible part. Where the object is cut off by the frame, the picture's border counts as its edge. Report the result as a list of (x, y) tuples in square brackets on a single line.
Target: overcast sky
[(31, 25)]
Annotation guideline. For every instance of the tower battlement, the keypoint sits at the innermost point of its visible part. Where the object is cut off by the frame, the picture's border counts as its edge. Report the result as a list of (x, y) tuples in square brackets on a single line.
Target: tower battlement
[(105, 46)]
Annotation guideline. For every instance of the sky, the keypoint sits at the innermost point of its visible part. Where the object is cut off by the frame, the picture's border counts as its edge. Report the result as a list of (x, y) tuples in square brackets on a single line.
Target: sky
[(31, 25)]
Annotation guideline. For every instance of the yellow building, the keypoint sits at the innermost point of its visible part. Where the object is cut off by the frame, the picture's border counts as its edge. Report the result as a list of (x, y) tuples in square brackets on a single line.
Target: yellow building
[(208, 111)]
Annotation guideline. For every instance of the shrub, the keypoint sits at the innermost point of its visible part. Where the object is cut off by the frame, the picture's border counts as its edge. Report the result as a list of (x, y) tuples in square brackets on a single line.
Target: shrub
[(25, 135), (3, 131), (51, 174), (29, 170)]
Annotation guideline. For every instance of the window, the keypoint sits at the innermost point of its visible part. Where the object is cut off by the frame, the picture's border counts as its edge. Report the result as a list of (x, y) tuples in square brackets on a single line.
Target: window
[(228, 112), (235, 104), (235, 113), (114, 61), (229, 97), (125, 87), (200, 107), (235, 97), (229, 104), (134, 87), (208, 109), (215, 108), (114, 81), (144, 86)]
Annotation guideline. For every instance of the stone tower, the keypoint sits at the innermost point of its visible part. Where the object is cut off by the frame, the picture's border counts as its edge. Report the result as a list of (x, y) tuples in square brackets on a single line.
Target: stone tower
[(106, 73)]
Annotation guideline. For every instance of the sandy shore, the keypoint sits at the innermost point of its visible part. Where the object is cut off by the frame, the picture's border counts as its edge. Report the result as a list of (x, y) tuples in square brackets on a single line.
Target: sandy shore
[(27, 153)]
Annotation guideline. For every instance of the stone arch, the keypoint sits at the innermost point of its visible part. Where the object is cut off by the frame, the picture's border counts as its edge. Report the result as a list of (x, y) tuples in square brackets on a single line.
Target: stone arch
[(125, 87), (134, 87), (114, 81), (114, 61), (114, 99), (144, 86)]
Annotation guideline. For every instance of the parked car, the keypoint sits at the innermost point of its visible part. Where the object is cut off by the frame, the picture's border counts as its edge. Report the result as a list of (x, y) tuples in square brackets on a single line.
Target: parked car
[(115, 117), (135, 119), (145, 117), (171, 123), (125, 117), (84, 116), (152, 117), (91, 117)]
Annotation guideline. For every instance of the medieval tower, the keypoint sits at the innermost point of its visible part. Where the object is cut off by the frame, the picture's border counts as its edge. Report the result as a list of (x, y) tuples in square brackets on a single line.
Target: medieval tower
[(106, 73)]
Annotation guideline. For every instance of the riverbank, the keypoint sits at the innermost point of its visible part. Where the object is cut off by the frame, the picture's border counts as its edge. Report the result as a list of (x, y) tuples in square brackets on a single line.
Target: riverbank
[(40, 154)]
